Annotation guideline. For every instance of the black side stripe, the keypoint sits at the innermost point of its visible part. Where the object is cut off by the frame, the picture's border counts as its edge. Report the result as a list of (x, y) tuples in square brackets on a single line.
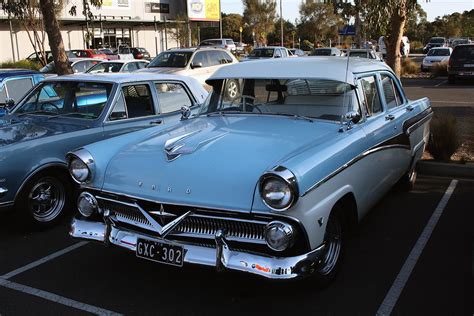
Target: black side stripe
[(419, 119)]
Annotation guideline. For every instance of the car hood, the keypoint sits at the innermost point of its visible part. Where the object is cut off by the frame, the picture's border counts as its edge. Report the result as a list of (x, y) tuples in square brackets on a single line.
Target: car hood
[(213, 162), (15, 129), (162, 70)]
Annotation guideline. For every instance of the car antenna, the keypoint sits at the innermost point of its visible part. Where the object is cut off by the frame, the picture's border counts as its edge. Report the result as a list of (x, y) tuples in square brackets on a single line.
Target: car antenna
[(341, 129)]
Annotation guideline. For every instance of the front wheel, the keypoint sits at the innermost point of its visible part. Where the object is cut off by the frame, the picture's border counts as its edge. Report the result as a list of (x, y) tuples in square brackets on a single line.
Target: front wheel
[(42, 201), (232, 89)]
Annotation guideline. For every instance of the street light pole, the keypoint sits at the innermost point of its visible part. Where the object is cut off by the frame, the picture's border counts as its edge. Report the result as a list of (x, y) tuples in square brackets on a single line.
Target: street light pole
[(281, 23), (220, 19)]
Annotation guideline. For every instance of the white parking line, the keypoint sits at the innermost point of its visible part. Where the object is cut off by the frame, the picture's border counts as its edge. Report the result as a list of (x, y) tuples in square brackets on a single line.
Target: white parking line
[(43, 260), (441, 83), (397, 287), (55, 298)]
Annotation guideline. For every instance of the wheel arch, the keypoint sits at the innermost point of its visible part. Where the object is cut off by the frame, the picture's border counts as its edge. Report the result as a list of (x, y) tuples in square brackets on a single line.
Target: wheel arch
[(348, 206)]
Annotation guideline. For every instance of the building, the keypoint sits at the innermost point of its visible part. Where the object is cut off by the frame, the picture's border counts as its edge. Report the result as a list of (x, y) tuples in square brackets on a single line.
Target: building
[(136, 23)]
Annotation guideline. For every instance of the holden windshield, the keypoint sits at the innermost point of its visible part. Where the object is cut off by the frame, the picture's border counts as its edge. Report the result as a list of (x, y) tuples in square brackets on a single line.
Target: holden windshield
[(171, 59), (75, 99), (299, 98)]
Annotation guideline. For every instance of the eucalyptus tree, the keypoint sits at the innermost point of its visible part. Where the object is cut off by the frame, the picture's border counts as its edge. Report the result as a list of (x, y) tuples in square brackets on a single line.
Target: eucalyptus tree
[(260, 15)]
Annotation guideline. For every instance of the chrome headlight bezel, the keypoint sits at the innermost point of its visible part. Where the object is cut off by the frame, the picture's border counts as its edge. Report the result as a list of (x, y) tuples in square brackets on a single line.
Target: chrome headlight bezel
[(84, 157), (89, 198), (286, 177), (287, 232)]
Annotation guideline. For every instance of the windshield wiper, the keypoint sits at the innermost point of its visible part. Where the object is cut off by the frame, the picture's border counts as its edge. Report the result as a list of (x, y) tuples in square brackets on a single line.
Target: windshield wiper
[(295, 116), (35, 112)]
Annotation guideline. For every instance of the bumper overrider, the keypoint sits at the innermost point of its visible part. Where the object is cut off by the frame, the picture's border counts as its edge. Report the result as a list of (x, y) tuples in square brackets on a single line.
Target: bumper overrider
[(222, 256)]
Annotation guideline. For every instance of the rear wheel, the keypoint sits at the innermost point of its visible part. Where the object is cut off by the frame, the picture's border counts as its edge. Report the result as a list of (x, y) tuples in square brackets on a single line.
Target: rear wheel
[(44, 199)]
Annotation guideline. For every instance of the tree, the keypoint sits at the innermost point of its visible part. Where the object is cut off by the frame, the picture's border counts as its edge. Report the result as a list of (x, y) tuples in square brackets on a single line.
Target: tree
[(28, 14), (260, 16), (231, 24), (288, 28), (318, 21)]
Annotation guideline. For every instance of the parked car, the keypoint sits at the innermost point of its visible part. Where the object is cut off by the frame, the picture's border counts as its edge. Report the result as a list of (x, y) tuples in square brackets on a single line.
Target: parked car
[(224, 43), (297, 52), (137, 52), (118, 66), (14, 84), (327, 51), (458, 41), (267, 52), (435, 42), (435, 56), (461, 63), (115, 56), (89, 53), (79, 65), (364, 53), (200, 63), (67, 112), (36, 57), (268, 183), (240, 48)]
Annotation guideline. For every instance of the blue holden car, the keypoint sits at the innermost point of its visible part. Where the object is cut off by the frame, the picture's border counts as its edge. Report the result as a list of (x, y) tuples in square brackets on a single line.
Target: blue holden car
[(67, 112), (14, 84), (269, 181)]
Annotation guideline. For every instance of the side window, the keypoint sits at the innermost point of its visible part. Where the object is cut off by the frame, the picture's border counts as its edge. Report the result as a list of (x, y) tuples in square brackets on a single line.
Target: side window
[(277, 53), (217, 58), (201, 57), (130, 67), (80, 66), (392, 94), (18, 87), (138, 100), (141, 65), (172, 96), (227, 57), (370, 94)]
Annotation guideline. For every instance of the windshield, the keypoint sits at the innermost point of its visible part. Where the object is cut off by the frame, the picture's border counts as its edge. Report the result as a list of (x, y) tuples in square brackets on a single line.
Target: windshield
[(266, 52), (437, 40), (361, 54), (105, 67), (307, 98), (438, 52), (71, 98), (321, 52), (171, 59)]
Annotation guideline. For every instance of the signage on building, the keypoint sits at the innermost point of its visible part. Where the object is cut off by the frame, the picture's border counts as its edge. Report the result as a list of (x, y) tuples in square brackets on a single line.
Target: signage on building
[(156, 7), (203, 10), (116, 4)]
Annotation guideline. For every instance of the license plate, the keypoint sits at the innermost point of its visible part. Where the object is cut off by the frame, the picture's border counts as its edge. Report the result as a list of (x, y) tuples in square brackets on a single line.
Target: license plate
[(468, 65), (468, 73), (160, 252)]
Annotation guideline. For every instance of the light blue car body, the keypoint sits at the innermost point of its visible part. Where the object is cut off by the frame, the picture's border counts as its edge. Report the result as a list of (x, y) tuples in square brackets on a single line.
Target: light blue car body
[(33, 143)]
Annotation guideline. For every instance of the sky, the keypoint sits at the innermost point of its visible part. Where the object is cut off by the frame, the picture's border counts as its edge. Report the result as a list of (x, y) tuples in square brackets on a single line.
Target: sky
[(433, 8)]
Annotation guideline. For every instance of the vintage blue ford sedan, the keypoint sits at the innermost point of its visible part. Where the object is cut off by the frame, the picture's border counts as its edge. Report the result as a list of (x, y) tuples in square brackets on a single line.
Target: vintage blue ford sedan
[(269, 181), (67, 112)]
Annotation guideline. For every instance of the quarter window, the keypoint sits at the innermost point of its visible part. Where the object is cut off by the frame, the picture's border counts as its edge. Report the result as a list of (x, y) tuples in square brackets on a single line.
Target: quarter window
[(172, 96), (371, 97), (391, 92)]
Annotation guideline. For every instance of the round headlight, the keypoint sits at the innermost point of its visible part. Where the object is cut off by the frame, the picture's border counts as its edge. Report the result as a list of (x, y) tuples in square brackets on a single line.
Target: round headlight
[(79, 170), (279, 236), (276, 193), (87, 204)]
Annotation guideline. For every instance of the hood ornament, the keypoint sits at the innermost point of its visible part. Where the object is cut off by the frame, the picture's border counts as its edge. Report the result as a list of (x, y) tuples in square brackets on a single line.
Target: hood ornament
[(172, 146)]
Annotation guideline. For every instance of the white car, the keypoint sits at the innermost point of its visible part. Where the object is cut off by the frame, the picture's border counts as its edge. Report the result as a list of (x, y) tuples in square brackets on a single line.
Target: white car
[(225, 43), (435, 55), (118, 66), (268, 52), (199, 63), (78, 65)]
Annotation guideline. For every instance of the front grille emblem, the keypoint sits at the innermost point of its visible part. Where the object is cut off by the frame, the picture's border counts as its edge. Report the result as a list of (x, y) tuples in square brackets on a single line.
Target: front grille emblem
[(163, 230)]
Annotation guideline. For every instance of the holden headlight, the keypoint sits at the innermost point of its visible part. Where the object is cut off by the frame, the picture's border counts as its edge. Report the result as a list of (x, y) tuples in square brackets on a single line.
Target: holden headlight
[(278, 189), (87, 204), (81, 166)]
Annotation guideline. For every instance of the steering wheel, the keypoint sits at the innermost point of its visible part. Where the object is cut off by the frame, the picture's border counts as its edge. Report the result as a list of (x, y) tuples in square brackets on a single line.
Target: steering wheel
[(56, 108)]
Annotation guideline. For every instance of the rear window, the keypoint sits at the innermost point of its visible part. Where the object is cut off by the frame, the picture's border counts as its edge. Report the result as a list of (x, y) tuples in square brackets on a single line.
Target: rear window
[(463, 52), (437, 40)]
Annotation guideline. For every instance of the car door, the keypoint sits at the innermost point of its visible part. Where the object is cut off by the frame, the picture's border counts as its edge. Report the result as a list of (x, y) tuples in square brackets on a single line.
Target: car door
[(134, 108), (383, 147)]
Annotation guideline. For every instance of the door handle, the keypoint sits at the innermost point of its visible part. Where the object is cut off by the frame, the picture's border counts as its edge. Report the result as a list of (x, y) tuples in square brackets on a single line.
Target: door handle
[(158, 122), (389, 117), (410, 108)]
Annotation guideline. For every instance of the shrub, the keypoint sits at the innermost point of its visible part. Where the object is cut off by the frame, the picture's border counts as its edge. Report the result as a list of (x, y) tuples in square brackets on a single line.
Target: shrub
[(445, 137), (416, 45), (21, 64), (440, 69), (409, 67)]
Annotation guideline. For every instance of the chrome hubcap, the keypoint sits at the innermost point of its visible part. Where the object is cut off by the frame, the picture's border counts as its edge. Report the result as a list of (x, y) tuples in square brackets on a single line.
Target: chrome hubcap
[(46, 199), (333, 242), (232, 89)]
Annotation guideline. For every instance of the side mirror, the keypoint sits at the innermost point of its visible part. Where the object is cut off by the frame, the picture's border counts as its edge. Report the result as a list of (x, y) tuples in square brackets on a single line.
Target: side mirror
[(353, 117), (10, 103), (185, 112), (196, 65)]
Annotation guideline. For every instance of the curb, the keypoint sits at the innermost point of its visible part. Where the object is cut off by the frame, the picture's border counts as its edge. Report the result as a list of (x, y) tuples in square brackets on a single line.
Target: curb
[(444, 169)]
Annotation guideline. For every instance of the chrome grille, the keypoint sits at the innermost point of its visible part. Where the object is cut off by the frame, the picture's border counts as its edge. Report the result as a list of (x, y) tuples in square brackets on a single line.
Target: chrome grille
[(196, 225)]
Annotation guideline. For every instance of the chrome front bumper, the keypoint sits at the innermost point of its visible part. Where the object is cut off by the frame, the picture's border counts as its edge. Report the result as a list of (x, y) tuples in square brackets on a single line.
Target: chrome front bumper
[(221, 257)]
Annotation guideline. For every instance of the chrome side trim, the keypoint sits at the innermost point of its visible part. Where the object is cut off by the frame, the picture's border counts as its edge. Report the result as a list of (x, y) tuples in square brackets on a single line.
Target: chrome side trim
[(353, 161), (226, 258)]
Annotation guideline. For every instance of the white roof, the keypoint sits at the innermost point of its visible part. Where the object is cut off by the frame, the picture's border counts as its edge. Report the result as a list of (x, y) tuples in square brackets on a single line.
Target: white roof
[(321, 67)]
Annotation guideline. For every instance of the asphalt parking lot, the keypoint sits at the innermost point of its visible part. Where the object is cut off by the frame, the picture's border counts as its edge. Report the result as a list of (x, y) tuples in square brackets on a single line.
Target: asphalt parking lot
[(411, 256), (41, 272)]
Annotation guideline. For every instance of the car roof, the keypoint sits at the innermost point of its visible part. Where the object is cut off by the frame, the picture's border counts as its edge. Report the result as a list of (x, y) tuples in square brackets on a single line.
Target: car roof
[(118, 77), (321, 67)]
